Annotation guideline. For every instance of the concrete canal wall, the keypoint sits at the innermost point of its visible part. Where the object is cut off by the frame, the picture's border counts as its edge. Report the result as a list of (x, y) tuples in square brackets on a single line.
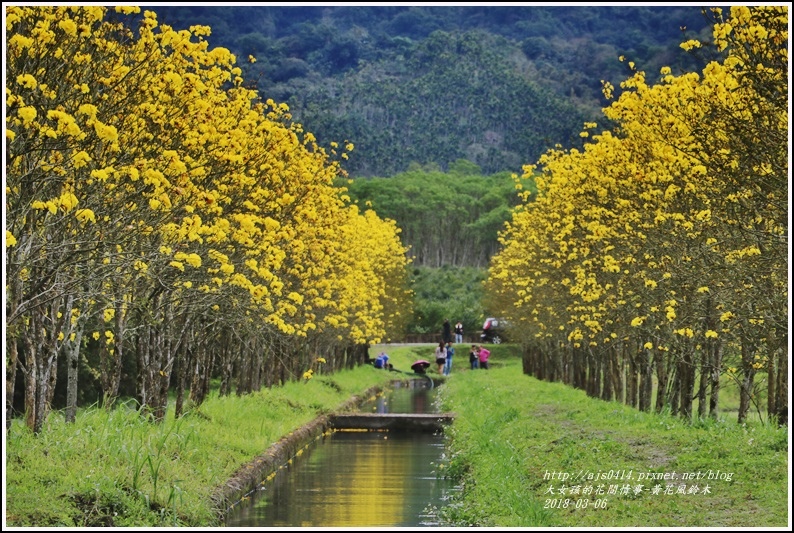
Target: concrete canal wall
[(254, 473)]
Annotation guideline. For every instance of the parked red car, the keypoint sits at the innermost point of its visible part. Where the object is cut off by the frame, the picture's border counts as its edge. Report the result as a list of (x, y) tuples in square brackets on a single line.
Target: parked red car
[(492, 331)]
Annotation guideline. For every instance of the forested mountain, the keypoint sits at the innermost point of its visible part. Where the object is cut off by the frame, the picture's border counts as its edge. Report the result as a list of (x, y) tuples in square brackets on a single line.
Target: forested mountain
[(434, 84)]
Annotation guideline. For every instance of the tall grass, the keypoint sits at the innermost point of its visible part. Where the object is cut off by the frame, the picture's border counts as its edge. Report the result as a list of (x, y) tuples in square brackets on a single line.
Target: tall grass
[(113, 468)]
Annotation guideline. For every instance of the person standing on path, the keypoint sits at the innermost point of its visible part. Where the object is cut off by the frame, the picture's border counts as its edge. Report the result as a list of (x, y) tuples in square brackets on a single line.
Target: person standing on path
[(459, 333), (441, 357), (446, 332), (474, 358), (448, 364), (483, 356)]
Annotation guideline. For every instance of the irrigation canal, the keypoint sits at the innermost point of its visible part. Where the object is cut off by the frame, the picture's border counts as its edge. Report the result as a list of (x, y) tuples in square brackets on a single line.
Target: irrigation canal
[(384, 477)]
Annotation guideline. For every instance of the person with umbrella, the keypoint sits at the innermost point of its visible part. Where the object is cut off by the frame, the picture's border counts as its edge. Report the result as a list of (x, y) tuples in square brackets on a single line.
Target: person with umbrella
[(420, 366)]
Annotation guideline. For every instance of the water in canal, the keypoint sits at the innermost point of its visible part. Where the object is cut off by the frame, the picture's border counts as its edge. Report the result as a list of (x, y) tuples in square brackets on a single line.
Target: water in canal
[(359, 478)]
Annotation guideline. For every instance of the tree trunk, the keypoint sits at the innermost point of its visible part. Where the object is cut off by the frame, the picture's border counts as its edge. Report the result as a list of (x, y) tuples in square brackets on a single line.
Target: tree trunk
[(179, 367), (172, 335), (196, 373), (119, 334), (594, 371), (748, 375), (631, 379), (165, 359), (526, 360), (46, 384), (543, 360), (143, 346), (617, 375), (705, 356), (110, 355), (687, 372), (72, 349), (13, 292), (606, 370), (646, 380), (12, 356), (716, 370), (256, 374), (41, 361), (771, 393), (559, 361), (201, 373), (31, 381), (245, 368), (579, 369), (661, 379), (74, 325), (781, 405), (774, 352), (674, 394)]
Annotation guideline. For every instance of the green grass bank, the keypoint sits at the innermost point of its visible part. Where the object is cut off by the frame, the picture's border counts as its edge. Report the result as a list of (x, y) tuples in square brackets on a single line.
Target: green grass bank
[(513, 440), (530, 454), (111, 468)]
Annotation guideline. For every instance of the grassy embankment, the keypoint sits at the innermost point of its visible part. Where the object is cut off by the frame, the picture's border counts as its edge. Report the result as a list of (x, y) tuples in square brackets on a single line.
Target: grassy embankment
[(516, 438), (110, 468)]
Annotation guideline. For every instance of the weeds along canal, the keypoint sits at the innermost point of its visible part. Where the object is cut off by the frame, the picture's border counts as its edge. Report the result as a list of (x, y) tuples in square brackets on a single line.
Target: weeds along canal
[(360, 478)]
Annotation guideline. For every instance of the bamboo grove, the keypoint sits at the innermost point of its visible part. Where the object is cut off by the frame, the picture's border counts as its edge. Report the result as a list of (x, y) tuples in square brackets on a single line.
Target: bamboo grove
[(655, 259), (161, 213)]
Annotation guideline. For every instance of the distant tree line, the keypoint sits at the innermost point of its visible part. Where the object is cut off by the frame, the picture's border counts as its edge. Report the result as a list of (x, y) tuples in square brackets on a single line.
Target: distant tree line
[(445, 218), (449, 292), (449, 223)]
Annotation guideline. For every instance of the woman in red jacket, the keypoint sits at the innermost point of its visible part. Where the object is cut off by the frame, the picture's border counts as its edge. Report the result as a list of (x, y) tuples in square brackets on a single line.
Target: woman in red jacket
[(483, 355)]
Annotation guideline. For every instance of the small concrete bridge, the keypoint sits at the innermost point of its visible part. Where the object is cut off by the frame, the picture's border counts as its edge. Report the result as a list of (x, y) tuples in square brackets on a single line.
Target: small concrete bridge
[(391, 421)]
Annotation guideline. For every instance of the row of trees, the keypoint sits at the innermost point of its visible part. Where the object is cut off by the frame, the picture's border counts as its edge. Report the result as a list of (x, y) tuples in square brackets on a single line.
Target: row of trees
[(449, 292), (160, 212), (662, 247)]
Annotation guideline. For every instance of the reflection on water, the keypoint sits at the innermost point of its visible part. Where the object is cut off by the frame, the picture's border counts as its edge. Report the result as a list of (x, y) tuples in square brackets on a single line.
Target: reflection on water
[(358, 479), (355, 479), (416, 398)]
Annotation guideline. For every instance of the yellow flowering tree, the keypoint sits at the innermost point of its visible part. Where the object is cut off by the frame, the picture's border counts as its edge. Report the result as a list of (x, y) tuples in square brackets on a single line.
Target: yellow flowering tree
[(661, 245), (157, 204)]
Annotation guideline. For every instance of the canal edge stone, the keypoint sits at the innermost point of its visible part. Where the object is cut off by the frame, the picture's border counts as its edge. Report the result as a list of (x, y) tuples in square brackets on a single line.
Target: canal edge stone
[(248, 477)]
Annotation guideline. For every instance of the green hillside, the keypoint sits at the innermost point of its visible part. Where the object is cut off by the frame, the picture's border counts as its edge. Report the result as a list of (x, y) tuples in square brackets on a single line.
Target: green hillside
[(433, 84)]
